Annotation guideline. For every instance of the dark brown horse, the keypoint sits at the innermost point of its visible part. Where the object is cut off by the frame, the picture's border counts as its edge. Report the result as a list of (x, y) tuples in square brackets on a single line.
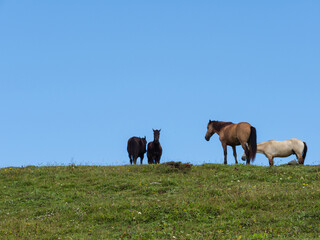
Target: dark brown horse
[(136, 148), (154, 148), (234, 134)]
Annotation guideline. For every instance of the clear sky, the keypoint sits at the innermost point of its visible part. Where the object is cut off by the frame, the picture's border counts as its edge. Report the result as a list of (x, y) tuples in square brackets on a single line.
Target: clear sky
[(78, 78)]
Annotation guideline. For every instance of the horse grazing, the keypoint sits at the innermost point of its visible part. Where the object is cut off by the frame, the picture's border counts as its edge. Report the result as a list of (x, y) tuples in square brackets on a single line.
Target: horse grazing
[(154, 148), (285, 148), (234, 134), (136, 148)]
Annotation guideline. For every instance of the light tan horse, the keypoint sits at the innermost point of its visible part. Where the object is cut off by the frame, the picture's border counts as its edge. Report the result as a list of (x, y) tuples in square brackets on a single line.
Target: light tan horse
[(234, 134), (272, 149)]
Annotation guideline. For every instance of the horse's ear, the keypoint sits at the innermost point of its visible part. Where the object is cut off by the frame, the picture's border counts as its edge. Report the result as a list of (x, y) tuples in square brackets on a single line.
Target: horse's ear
[(159, 129)]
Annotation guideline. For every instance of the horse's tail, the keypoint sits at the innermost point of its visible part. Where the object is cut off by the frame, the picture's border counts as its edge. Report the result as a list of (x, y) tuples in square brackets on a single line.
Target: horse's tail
[(252, 143), (305, 149)]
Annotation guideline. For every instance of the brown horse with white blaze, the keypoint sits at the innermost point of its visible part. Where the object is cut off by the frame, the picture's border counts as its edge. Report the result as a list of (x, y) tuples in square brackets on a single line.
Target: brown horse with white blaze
[(233, 135)]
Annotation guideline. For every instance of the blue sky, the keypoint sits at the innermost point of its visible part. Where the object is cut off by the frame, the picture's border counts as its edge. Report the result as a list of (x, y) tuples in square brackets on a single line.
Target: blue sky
[(78, 78)]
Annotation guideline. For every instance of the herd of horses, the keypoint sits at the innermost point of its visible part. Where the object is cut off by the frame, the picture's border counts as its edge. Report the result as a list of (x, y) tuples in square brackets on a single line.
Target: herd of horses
[(230, 134), (137, 148)]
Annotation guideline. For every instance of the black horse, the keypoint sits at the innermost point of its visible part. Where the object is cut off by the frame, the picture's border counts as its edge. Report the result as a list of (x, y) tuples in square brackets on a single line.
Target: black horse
[(136, 148), (154, 148)]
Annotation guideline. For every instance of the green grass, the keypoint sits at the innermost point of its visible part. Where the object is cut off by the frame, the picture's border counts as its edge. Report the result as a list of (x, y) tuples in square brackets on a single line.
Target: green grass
[(160, 202)]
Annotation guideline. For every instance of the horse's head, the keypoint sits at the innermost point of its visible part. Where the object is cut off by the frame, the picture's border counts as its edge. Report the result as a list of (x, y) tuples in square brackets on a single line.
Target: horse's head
[(210, 131), (156, 135), (144, 144)]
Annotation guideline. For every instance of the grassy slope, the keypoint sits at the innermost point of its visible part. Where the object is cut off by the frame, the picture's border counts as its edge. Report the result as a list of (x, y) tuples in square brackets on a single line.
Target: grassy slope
[(158, 202)]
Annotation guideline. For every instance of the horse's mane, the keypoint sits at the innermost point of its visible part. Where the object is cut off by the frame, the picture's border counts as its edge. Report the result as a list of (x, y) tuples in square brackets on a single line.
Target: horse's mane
[(218, 125)]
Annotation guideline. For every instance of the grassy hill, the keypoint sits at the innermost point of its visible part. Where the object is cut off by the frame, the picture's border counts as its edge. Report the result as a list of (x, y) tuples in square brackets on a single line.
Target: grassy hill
[(160, 202)]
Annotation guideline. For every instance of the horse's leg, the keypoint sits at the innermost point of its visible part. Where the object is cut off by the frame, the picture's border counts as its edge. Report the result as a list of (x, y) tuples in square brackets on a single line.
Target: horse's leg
[(246, 151), (141, 158), (135, 160), (130, 159), (235, 153), (224, 146), (300, 158), (149, 158), (270, 158)]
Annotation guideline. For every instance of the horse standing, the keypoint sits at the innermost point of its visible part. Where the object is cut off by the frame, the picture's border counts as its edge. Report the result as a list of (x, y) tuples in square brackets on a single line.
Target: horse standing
[(234, 134), (154, 148), (272, 149), (136, 148)]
